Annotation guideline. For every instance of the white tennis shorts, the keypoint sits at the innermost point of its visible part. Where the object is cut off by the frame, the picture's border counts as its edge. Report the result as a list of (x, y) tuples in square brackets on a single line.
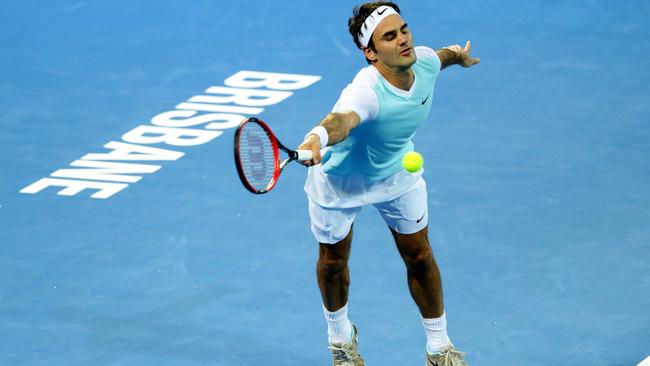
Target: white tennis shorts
[(406, 214)]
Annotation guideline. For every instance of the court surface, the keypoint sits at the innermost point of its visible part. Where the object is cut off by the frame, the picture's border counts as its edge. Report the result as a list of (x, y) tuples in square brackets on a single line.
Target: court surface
[(537, 163)]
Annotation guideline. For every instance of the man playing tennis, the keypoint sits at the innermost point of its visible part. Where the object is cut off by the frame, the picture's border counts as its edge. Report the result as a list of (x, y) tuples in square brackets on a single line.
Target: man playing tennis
[(364, 138)]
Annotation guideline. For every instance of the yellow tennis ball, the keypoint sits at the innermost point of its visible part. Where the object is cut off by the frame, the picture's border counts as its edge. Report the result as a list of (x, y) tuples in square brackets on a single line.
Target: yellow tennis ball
[(412, 161)]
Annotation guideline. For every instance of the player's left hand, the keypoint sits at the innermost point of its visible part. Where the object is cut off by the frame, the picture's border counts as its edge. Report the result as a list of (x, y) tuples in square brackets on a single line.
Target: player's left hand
[(464, 58)]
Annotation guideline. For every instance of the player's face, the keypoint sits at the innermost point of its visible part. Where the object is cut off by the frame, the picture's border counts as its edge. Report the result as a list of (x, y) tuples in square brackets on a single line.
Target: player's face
[(393, 44)]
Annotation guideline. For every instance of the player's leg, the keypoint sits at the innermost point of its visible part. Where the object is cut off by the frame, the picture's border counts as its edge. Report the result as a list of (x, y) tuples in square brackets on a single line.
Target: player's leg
[(332, 228), (422, 270), (425, 286), (333, 274), (407, 217)]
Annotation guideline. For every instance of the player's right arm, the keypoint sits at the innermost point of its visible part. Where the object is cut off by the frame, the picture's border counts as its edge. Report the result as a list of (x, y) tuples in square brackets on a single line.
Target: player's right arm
[(357, 104), (338, 126)]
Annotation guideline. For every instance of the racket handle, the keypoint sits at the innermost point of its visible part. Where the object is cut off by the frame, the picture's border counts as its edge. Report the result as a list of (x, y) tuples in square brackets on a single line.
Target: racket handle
[(304, 155)]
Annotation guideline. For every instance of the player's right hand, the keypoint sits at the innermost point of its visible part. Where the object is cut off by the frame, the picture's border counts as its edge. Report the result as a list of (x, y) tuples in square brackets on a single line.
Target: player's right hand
[(312, 143)]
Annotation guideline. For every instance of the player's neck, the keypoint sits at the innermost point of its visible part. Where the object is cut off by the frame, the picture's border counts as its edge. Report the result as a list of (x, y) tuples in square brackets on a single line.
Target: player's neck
[(397, 77)]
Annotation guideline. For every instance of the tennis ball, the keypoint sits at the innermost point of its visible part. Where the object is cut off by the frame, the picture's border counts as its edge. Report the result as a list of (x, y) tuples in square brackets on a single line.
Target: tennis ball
[(412, 161)]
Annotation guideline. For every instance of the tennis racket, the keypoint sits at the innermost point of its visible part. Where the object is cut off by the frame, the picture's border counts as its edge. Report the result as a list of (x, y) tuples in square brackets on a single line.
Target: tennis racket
[(257, 155)]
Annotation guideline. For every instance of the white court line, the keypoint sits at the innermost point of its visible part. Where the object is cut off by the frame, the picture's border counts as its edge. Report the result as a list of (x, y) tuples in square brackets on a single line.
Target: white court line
[(645, 362)]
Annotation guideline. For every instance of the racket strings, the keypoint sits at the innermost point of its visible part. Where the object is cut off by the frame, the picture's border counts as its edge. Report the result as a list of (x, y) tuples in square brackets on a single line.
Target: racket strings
[(257, 156)]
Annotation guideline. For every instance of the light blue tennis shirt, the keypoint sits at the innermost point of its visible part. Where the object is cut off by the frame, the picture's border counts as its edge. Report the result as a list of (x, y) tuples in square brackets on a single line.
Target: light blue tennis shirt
[(389, 119)]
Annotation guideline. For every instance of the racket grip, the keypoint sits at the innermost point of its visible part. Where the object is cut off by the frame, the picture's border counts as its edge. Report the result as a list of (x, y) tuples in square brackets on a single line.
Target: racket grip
[(304, 155)]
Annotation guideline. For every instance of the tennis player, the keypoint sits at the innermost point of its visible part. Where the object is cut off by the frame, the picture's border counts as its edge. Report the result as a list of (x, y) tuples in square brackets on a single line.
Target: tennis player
[(364, 139)]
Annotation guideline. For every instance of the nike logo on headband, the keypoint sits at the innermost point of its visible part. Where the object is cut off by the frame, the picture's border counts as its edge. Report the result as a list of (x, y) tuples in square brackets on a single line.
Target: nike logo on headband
[(381, 12)]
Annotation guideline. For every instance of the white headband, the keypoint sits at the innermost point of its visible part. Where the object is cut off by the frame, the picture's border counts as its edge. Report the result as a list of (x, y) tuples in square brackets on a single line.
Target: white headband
[(372, 21)]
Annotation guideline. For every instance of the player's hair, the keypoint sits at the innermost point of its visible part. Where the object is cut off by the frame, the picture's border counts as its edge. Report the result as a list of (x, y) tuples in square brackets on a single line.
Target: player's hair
[(359, 15)]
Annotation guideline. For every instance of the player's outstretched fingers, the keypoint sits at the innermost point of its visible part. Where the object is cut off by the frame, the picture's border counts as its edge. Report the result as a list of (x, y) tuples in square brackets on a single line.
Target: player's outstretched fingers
[(468, 60)]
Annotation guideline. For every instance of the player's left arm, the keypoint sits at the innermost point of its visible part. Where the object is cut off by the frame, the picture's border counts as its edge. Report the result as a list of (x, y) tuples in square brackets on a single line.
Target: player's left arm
[(457, 55)]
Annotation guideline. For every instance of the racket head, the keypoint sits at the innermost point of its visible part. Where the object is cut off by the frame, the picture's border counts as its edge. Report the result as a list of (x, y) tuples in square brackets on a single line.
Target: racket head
[(257, 155)]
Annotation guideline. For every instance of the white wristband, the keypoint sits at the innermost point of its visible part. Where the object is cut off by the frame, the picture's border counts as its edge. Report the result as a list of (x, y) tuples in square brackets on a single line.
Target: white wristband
[(321, 132)]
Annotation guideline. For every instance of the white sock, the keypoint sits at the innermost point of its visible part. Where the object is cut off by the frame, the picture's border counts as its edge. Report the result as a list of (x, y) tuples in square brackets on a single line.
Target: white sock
[(339, 328), (436, 330)]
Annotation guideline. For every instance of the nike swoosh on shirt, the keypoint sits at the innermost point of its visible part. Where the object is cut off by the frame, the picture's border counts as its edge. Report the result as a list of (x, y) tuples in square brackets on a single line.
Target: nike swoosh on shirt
[(425, 99)]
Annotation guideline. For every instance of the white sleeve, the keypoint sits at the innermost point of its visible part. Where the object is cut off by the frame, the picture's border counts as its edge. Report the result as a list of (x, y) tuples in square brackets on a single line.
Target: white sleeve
[(423, 51), (360, 99), (426, 52)]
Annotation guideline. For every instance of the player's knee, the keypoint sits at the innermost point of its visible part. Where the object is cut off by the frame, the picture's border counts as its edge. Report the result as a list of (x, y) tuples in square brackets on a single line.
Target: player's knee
[(419, 262), (332, 266)]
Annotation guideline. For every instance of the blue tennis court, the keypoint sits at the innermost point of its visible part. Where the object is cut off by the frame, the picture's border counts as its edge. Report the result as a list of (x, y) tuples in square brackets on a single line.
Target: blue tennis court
[(537, 164)]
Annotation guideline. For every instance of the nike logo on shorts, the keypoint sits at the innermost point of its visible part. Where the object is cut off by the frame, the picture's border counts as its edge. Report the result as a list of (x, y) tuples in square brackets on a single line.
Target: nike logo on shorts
[(420, 219)]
